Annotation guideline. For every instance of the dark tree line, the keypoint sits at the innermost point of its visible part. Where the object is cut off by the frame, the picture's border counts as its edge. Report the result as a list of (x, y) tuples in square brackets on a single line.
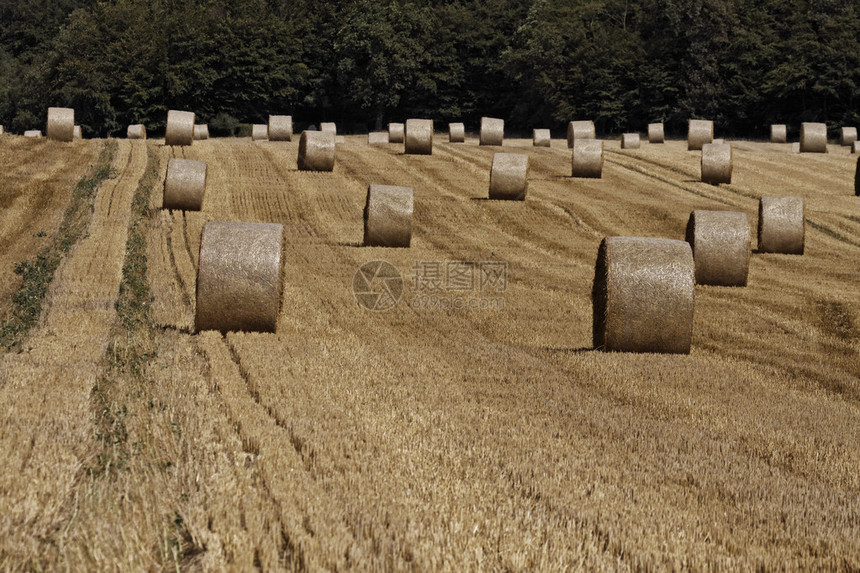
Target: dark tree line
[(536, 63)]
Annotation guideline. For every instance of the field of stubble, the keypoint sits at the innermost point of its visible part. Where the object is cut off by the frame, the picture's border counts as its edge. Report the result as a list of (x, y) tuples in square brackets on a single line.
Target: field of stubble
[(477, 430)]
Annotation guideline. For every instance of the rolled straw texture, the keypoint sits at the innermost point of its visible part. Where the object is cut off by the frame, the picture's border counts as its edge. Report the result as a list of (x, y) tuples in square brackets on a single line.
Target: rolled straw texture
[(778, 133), (587, 158), (238, 277), (396, 132), (720, 241), (419, 136), (377, 137), (716, 163), (456, 133), (580, 130), (201, 131), (847, 135), (509, 176), (61, 124), (643, 295), (492, 131), (699, 132), (781, 225), (180, 128), (655, 133), (32, 133), (630, 141), (541, 138), (259, 132), (280, 128), (136, 131), (184, 184), (388, 216), (813, 137), (316, 151), (328, 127)]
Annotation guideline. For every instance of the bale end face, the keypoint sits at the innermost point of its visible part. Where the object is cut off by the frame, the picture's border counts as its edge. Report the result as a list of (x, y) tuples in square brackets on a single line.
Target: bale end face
[(280, 128), (316, 151), (541, 138), (396, 132), (61, 124), (699, 132), (778, 133), (388, 216), (630, 141), (716, 163), (813, 137), (492, 131), (184, 184), (580, 130), (643, 295), (238, 277), (456, 133), (180, 128), (587, 158), (509, 176), (419, 137), (781, 225), (655, 133), (720, 241)]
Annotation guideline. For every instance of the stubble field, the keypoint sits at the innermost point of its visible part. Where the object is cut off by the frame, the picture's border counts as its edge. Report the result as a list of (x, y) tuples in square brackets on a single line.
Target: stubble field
[(471, 428)]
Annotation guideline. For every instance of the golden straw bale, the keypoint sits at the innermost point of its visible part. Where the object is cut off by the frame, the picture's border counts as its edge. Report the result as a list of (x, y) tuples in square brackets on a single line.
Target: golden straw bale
[(316, 151), (396, 132), (136, 131), (587, 158), (716, 163), (180, 128), (655, 133), (280, 128), (580, 130), (419, 136), (78, 134), (720, 241), (184, 184), (699, 132), (388, 216), (238, 277), (813, 137), (32, 133), (1, 130), (456, 133), (492, 131), (781, 225), (509, 176), (855, 147), (541, 138), (377, 137), (778, 133), (847, 135), (201, 131), (259, 132), (61, 124), (328, 127), (630, 141), (795, 147), (643, 295)]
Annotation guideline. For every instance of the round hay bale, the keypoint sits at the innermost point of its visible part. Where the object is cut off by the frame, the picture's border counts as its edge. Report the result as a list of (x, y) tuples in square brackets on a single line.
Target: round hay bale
[(630, 141), (855, 147), (259, 132), (32, 133), (655, 133), (201, 131), (716, 163), (316, 151), (699, 132), (280, 128), (78, 134), (847, 135), (720, 241), (492, 131), (180, 128), (184, 184), (238, 277), (136, 131), (643, 295), (1, 130), (778, 133), (419, 136), (587, 158), (580, 130), (795, 147), (541, 138), (396, 132), (456, 133), (719, 141), (328, 127), (813, 137), (377, 137), (509, 176), (388, 216), (781, 225), (61, 124)]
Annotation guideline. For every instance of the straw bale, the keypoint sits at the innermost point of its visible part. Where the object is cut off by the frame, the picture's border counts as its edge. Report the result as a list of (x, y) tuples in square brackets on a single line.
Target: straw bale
[(492, 131), (720, 241), (78, 134), (388, 216), (778, 133), (377, 137), (541, 138), (781, 225), (716, 163), (396, 132), (655, 133), (509, 176), (456, 133), (184, 184), (259, 132), (587, 158), (419, 136), (61, 124), (316, 151), (813, 137), (847, 135), (32, 133), (280, 128), (201, 131), (699, 132), (136, 131), (328, 127), (630, 141), (180, 128), (580, 130)]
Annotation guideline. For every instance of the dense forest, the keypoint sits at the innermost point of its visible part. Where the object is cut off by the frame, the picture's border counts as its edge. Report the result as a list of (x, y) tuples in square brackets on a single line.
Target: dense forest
[(536, 63)]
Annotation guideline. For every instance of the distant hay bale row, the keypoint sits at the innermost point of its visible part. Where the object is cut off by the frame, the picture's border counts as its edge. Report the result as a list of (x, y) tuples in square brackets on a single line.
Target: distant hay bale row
[(630, 141), (847, 135), (316, 151), (716, 163), (201, 131), (699, 132), (388, 216), (377, 137), (580, 130), (492, 131), (136, 131), (259, 132), (456, 133), (61, 124), (541, 138), (180, 128), (778, 133), (396, 132), (184, 184), (587, 158), (720, 241), (509, 176), (781, 225), (643, 295), (419, 137), (238, 278), (655, 133), (813, 137), (280, 128)]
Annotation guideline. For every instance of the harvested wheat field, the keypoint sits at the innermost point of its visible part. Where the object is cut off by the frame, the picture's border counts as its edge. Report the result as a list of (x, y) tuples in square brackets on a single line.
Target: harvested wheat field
[(471, 426)]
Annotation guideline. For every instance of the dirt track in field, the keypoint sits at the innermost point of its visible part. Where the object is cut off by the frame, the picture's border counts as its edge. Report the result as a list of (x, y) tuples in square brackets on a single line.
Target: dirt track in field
[(494, 437)]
